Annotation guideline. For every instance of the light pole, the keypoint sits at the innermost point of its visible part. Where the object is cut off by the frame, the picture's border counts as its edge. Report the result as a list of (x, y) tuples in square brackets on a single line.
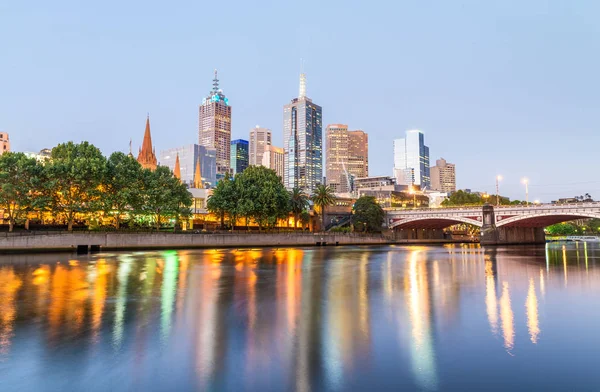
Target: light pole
[(498, 179), (526, 182)]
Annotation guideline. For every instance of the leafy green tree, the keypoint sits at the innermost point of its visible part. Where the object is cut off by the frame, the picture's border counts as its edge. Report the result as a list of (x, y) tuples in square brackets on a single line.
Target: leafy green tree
[(298, 203), (122, 184), (75, 174), (562, 229), (462, 198), (163, 195), (323, 197), (262, 196), (21, 185), (304, 218), (368, 214), (224, 199)]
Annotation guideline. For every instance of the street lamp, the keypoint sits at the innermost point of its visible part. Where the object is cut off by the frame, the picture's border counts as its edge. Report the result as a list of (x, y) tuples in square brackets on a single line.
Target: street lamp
[(526, 182), (498, 179)]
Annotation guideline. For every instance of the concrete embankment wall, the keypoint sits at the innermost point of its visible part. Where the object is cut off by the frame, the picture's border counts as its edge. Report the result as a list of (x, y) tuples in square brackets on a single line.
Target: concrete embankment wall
[(37, 242)]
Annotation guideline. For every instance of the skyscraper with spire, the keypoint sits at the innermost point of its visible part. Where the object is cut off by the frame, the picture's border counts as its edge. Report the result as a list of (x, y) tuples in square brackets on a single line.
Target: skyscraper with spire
[(146, 156), (302, 142), (214, 126)]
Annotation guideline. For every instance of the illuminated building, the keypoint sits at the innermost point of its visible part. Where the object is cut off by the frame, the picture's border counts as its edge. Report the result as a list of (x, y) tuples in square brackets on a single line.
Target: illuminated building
[(411, 160), (302, 142), (239, 156), (443, 176), (4, 143), (146, 156), (347, 157), (189, 156), (260, 139), (273, 159), (214, 128)]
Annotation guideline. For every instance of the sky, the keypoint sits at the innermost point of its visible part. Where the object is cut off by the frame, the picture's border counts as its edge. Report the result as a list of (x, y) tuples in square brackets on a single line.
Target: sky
[(498, 87)]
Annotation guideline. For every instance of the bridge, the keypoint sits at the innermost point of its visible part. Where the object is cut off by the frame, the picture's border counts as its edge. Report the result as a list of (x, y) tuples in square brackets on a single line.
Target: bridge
[(499, 224)]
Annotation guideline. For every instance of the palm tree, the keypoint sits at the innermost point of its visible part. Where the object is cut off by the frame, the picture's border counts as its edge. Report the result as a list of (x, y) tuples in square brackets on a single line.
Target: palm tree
[(322, 197), (299, 202)]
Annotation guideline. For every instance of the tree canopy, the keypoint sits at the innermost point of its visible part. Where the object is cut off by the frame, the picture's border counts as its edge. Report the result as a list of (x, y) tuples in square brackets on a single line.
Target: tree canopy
[(368, 214), (323, 197)]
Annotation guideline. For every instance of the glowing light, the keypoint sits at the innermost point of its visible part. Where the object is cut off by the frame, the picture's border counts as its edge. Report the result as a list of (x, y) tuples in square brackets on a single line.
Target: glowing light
[(508, 318), (491, 301), (531, 305)]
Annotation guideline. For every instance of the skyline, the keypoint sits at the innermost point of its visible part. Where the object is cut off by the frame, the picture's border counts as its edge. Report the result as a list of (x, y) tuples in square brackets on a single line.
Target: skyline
[(468, 79)]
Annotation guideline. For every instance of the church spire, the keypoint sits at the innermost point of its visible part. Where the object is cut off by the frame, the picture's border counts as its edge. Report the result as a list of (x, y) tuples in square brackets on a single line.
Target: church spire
[(146, 156), (177, 170), (198, 176)]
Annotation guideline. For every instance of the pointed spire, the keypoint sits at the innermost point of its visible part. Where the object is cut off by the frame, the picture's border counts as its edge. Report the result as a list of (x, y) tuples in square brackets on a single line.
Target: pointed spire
[(177, 170), (198, 176), (302, 90), (130, 153), (147, 157)]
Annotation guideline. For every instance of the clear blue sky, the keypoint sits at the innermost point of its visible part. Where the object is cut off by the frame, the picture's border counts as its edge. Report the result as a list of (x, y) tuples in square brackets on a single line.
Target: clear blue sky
[(507, 87)]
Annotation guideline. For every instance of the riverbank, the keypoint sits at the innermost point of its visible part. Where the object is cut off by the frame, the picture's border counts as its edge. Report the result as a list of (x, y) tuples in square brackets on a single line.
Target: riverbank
[(31, 242)]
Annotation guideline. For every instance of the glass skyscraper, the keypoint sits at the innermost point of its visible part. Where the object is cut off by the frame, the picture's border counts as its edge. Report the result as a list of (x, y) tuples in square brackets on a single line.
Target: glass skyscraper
[(302, 142), (411, 160), (239, 156), (188, 158)]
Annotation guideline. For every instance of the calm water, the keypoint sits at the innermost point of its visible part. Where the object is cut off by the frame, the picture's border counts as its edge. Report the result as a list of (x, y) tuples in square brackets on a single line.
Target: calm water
[(350, 318)]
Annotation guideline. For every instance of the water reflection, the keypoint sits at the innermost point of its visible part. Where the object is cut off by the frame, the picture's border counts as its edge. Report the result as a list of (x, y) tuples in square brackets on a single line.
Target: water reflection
[(296, 319)]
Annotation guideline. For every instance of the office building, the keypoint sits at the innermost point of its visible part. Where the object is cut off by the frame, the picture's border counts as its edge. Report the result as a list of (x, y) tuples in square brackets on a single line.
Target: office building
[(443, 176), (215, 126), (4, 143), (273, 159), (411, 160), (146, 155), (192, 158), (302, 142), (347, 157), (239, 156), (260, 138)]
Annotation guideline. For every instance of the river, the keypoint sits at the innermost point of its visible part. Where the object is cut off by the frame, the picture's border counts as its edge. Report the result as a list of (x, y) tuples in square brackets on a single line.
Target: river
[(447, 318)]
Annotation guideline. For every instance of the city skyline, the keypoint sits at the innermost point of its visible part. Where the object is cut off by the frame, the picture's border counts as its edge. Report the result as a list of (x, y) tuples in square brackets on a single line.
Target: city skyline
[(476, 91)]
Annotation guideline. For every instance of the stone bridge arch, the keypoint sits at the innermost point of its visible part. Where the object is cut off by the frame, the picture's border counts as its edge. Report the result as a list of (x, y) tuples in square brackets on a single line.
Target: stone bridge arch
[(543, 219), (432, 222)]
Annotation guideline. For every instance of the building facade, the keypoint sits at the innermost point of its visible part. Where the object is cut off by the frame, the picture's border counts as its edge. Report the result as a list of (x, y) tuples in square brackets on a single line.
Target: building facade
[(260, 138), (4, 143), (239, 156), (302, 142), (411, 160), (273, 159), (215, 126), (443, 176), (347, 157), (191, 156), (146, 155)]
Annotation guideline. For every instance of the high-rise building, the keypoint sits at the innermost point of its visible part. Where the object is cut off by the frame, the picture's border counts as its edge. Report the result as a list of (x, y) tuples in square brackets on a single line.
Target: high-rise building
[(239, 156), (190, 156), (273, 159), (347, 157), (302, 142), (146, 155), (411, 160), (260, 138), (215, 126), (443, 176), (4, 143)]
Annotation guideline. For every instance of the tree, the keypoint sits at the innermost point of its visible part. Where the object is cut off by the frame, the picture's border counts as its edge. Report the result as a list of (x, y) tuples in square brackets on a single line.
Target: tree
[(298, 203), (163, 195), (304, 218), (462, 198), (223, 199), (262, 196), (75, 174), (323, 197), (368, 214), (122, 184), (21, 184), (561, 229)]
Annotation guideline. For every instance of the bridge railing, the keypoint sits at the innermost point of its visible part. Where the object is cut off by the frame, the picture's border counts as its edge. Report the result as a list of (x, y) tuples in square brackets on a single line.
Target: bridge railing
[(566, 206)]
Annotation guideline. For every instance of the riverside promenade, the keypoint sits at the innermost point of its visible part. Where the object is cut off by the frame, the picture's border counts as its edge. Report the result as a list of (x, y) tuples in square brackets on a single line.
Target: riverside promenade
[(83, 241)]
